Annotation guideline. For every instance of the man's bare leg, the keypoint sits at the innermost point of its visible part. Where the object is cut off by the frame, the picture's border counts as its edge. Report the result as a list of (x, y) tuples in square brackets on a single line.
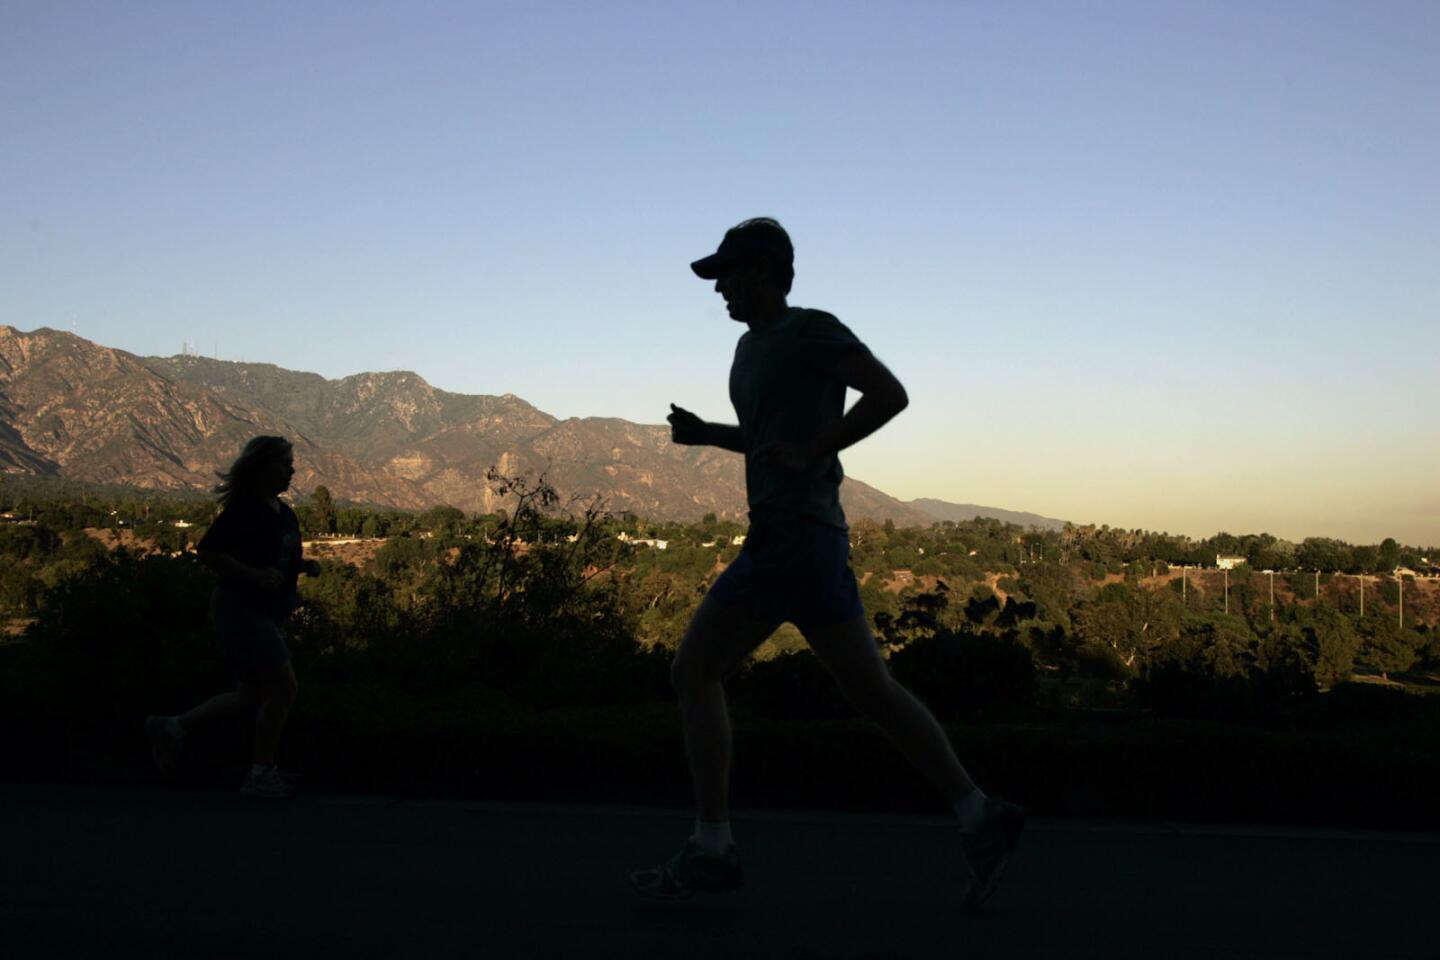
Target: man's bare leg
[(848, 650), (719, 637), (717, 640), (991, 827)]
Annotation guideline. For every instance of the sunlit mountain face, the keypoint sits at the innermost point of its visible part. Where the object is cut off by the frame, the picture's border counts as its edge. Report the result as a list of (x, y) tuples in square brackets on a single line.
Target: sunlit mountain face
[(78, 410)]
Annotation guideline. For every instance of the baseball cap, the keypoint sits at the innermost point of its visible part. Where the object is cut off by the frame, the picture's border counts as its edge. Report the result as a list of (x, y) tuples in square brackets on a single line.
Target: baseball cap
[(758, 238)]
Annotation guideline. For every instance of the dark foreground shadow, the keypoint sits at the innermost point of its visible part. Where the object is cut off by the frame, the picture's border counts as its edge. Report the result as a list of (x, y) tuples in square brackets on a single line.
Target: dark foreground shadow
[(144, 872)]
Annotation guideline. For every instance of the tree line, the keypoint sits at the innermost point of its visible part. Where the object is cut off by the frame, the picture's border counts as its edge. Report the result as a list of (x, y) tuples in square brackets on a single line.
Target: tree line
[(1080, 610)]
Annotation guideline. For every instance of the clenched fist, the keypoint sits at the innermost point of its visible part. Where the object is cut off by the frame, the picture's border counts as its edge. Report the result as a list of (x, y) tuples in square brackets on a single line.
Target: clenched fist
[(685, 427)]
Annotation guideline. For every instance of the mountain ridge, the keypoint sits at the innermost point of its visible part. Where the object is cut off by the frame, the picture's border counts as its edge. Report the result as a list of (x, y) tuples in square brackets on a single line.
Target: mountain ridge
[(960, 512), (79, 410)]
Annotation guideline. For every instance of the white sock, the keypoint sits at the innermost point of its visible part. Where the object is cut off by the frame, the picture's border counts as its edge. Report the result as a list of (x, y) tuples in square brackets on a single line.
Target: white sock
[(173, 728), (713, 838), (970, 809)]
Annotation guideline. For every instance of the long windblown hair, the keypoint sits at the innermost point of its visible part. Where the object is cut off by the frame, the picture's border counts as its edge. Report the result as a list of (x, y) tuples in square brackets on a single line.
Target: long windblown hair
[(244, 473)]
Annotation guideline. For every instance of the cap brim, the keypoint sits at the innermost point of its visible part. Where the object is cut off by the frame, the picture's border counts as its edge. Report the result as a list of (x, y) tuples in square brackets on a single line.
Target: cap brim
[(710, 268)]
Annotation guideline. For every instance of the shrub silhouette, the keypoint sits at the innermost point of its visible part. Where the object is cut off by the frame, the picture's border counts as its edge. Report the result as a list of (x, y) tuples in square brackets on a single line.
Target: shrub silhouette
[(789, 686), (123, 632), (967, 674)]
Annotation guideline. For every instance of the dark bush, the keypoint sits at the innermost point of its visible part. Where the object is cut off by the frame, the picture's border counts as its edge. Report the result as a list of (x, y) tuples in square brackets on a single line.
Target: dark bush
[(790, 686), (126, 634), (968, 674)]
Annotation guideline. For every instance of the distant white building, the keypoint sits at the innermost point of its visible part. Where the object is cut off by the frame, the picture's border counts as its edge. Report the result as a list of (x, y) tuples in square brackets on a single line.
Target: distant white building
[(639, 542), (1228, 563)]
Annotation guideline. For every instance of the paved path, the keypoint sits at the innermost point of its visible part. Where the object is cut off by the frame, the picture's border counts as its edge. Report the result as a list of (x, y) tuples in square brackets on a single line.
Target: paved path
[(115, 872)]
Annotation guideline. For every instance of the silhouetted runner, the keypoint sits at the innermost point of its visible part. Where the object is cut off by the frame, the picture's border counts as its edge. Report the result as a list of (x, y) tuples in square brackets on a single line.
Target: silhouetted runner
[(787, 384), (254, 548)]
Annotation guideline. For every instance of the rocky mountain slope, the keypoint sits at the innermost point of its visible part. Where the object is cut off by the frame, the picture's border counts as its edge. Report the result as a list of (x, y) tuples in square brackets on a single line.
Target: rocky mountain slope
[(76, 409)]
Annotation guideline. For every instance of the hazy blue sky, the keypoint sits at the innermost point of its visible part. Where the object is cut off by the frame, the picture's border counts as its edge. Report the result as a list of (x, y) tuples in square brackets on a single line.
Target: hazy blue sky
[(1161, 265)]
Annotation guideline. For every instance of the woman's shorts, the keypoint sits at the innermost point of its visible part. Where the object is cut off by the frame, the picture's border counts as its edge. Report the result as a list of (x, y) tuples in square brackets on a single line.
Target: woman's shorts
[(251, 640), (792, 569)]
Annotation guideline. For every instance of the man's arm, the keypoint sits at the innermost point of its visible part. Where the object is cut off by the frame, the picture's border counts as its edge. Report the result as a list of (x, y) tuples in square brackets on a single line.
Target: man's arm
[(726, 436), (687, 428), (881, 397)]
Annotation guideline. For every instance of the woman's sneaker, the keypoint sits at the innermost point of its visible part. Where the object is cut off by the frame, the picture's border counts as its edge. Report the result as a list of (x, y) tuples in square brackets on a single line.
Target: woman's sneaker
[(164, 745), (692, 870), (269, 784), (988, 848)]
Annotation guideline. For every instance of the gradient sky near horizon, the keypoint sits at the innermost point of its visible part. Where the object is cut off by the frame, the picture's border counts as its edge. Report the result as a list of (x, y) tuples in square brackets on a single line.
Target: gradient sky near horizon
[(1173, 266)]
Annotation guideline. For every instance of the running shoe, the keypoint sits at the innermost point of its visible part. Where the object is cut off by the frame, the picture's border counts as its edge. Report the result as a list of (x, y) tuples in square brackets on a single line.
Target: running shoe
[(269, 784), (988, 848), (164, 745), (693, 870)]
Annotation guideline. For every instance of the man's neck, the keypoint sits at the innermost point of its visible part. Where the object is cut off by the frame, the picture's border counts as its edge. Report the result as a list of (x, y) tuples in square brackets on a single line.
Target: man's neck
[(770, 314)]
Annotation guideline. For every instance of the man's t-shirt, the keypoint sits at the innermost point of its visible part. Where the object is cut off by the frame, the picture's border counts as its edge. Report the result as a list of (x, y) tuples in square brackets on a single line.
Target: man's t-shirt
[(784, 387), (257, 535)]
